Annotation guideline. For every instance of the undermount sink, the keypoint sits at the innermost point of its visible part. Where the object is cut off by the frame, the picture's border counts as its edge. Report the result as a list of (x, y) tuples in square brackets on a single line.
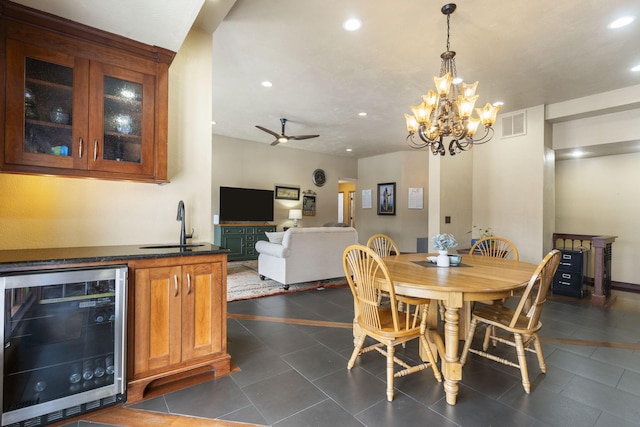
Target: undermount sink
[(188, 245)]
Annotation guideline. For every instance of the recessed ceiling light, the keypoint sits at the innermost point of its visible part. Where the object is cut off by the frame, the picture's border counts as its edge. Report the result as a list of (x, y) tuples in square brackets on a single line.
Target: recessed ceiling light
[(267, 83), (362, 114), (621, 22), (352, 24), (495, 104), (349, 150), (577, 153), (213, 122), (636, 68)]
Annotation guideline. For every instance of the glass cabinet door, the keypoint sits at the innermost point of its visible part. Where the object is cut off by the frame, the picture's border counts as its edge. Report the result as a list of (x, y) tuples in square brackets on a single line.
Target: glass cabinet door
[(122, 127), (48, 130)]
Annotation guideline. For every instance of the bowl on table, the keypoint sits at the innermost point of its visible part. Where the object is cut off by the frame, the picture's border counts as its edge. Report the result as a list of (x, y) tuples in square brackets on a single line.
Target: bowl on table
[(455, 259)]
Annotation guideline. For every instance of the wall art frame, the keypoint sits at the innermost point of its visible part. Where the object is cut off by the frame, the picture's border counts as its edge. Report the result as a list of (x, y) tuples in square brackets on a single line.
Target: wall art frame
[(308, 205), (387, 198), (287, 193)]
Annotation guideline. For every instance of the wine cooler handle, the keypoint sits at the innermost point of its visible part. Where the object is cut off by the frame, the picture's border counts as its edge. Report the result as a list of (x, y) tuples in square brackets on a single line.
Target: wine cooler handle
[(80, 148), (188, 284), (95, 149), (175, 281)]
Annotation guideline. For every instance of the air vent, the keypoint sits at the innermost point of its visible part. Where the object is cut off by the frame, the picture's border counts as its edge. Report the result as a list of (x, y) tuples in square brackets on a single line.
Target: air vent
[(514, 125)]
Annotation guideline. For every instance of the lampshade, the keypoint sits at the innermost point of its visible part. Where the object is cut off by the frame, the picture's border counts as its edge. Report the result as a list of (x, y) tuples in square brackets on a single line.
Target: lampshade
[(295, 213)]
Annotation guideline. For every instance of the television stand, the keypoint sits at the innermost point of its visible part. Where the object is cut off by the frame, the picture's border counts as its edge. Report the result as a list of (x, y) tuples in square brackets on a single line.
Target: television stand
[(241, 239)]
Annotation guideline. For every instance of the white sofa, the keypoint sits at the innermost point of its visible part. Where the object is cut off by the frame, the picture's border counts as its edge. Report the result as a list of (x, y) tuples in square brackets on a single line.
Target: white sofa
[(305, 254)]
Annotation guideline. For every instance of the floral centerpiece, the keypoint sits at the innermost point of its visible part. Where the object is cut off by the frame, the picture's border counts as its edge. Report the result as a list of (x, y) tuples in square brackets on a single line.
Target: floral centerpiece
[(443, 242)]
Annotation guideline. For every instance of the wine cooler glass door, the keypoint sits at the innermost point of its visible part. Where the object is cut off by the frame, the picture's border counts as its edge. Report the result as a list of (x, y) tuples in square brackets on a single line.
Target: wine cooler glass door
[(63, 343)]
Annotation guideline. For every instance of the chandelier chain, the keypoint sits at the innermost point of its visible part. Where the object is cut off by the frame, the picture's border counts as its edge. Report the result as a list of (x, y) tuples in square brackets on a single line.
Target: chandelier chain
[(448, 29)]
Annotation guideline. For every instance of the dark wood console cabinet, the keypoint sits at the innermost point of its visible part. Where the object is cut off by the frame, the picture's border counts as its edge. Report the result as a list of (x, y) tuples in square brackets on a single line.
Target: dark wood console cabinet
[(241, 239), (80, 102)]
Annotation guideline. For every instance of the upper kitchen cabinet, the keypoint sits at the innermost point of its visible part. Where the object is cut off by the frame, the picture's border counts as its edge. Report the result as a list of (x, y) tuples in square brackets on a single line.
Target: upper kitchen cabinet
[(77, 101)]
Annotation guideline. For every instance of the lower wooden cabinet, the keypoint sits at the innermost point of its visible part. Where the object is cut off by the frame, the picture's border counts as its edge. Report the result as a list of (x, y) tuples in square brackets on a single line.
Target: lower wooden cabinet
[(178, 307)]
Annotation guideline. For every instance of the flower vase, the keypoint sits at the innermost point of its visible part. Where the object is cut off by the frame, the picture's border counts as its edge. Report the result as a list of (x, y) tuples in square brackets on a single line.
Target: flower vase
[(443, 259)]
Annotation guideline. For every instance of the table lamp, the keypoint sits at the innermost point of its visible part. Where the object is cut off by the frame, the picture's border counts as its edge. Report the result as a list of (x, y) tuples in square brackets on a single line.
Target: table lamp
[(295, 215)]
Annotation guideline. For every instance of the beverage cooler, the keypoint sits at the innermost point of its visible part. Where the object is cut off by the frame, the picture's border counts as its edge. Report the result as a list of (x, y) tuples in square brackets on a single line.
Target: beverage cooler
[(64, 343)]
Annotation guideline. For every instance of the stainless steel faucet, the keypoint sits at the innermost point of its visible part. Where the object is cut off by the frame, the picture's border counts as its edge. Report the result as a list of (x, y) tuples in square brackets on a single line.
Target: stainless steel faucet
[(181, 217)]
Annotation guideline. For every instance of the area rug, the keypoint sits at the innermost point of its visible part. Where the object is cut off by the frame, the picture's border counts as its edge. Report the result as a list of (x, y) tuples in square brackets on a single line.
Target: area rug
[(243, 282)]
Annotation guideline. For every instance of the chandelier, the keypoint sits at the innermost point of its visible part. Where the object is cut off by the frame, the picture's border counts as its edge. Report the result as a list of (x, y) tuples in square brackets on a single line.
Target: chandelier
[(447, 112)]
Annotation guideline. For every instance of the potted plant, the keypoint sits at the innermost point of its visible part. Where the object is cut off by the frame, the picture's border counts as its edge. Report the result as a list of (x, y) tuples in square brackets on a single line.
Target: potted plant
[(482, 232)]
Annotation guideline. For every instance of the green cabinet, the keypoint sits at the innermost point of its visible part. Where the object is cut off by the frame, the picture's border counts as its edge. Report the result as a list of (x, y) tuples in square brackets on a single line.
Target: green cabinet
[(241, 239)]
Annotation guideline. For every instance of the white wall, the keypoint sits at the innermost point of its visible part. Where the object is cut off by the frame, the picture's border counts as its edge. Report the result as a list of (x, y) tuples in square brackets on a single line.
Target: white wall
[(47, 211), (247, 164), (408, 169)]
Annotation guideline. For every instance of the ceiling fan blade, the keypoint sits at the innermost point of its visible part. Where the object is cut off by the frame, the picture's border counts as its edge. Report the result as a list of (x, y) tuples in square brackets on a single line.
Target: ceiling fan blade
[(276, 142), (277, 135), (303, 136)]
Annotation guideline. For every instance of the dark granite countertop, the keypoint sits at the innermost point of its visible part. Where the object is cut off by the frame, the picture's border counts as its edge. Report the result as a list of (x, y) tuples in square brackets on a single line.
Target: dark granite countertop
[(21, 258)]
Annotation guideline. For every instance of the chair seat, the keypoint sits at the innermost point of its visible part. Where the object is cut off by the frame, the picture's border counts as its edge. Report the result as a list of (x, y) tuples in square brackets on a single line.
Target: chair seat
[(499, 315)]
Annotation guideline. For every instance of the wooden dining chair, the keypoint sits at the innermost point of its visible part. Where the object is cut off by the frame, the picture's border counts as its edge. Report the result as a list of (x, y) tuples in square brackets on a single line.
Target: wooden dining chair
[(368, 275), (383, 245), (497, 247), (523, 325)]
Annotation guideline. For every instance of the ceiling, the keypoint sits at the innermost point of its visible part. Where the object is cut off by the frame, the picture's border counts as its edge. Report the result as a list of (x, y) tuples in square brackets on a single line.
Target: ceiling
[(524, 53)]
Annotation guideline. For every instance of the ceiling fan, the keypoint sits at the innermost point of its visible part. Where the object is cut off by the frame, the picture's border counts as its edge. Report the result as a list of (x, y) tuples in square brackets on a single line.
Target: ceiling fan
[(282, 137)]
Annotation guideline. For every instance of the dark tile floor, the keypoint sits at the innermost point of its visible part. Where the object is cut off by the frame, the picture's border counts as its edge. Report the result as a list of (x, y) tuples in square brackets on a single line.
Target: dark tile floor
[(294, 375)]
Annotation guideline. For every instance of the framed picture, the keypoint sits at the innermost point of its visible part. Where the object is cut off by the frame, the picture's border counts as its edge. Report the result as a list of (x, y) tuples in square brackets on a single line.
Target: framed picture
[(387, 198), (287, 193), (308, 205)]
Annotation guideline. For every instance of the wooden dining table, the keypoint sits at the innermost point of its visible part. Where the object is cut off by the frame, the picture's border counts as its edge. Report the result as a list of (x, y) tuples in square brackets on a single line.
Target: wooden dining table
[(476, 278)]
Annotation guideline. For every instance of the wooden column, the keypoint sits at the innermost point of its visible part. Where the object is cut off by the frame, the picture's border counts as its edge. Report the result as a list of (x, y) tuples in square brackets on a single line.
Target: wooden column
[(602, 270)]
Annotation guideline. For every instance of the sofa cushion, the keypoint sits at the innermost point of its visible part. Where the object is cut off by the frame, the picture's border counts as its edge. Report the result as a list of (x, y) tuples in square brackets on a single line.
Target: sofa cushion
[(275, 237)]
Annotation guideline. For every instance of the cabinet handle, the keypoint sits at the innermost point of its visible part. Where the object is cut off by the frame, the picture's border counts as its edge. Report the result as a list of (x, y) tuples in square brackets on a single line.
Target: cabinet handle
[(95, 149), (175, 281), (80, 148), (188, 284)]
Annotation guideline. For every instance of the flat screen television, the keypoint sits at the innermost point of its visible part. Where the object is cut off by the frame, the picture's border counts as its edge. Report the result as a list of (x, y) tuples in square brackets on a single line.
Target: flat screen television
[(245, 204)]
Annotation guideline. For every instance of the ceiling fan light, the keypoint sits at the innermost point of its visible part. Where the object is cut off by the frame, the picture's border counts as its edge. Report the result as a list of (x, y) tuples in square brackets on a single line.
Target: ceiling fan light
[(283, 139)]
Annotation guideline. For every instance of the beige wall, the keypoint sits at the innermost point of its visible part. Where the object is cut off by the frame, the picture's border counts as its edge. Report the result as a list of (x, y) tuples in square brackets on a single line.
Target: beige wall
[(600, 196), (408, 169), (450, 195), (45, 211), (509, 178), (241, 163)]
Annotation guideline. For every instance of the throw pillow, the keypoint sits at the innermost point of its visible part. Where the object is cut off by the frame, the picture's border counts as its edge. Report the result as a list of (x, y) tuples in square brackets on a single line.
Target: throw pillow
[(275, 237)]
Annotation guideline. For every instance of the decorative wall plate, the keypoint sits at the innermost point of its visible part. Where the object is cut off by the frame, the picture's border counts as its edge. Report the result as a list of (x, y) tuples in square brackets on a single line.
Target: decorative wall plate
[(319, 177)]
